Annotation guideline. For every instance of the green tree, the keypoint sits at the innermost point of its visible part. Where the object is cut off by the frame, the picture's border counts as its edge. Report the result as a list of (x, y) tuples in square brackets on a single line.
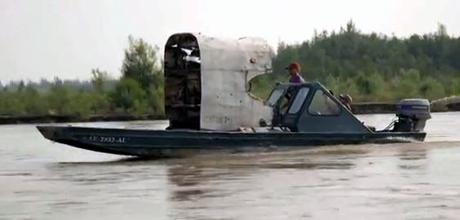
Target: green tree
[(406, 85), (129, 96), (59, 98), (99, 79), (369, 85), (432, 89), (141, 63), (34, 103)]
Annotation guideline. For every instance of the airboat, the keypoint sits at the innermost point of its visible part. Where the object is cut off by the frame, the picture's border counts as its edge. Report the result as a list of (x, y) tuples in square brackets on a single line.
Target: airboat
[(210, 107)]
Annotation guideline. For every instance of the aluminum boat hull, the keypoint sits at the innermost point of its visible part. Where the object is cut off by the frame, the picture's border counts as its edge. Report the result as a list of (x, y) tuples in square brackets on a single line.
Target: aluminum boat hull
[(149, 143)]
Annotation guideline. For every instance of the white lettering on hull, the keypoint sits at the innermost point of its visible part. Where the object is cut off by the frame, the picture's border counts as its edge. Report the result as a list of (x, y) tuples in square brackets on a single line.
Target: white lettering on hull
[(107, 139)]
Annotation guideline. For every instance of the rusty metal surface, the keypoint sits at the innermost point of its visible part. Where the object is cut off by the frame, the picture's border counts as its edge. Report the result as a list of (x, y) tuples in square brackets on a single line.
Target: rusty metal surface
[(225, 68)]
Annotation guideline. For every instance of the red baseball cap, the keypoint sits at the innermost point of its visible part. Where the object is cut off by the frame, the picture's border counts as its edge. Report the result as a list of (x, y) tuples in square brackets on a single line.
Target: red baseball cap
[(294, 65)]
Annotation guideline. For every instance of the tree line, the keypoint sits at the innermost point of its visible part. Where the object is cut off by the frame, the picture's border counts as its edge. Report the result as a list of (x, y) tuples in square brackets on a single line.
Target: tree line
[(138, 91), (370, 67), (377, 67)]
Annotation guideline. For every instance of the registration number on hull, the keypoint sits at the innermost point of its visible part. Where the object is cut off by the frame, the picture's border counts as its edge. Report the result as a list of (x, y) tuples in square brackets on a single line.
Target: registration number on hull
[(107, 139)]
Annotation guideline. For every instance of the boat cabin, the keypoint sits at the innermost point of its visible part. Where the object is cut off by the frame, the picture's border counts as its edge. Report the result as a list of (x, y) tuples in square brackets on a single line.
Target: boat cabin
[(310, 107)]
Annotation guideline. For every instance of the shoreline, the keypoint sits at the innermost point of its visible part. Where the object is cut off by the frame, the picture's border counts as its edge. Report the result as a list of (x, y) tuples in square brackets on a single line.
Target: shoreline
[(33, 119), (357, 108), (386, 108)]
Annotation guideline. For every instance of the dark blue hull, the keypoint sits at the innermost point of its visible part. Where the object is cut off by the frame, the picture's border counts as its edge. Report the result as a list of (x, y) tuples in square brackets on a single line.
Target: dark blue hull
[(146, 143)]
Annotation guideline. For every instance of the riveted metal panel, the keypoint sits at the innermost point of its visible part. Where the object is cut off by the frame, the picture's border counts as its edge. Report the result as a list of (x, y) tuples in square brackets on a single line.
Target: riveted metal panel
[(227, 66)]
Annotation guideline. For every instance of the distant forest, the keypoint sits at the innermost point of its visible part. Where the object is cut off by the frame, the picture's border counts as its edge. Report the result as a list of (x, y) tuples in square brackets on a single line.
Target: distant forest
[(139, 90), (370, 67), (377, 67)]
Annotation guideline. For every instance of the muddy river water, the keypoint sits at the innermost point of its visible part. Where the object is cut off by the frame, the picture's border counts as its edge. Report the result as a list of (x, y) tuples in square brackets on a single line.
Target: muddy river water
[(44, 180)]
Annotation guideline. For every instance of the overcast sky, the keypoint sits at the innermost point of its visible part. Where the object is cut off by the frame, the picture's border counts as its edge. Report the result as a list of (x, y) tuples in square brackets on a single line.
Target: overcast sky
[(67, 38)]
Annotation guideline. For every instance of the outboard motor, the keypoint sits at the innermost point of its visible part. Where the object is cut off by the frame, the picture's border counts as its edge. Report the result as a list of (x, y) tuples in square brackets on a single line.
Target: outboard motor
[(412, 115)]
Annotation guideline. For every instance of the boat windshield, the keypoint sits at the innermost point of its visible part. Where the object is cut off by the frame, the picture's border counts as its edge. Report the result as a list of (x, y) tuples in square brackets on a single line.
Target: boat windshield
[(275, 96), (299, 100)]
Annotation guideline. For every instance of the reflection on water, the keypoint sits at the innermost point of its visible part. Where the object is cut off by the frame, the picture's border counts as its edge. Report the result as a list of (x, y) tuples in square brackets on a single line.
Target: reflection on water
[(412, 154), (41, 180), (412, 158)]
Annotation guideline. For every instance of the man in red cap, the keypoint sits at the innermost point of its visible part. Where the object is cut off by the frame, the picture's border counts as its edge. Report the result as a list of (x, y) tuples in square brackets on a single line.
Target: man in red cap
[(294, 72)]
